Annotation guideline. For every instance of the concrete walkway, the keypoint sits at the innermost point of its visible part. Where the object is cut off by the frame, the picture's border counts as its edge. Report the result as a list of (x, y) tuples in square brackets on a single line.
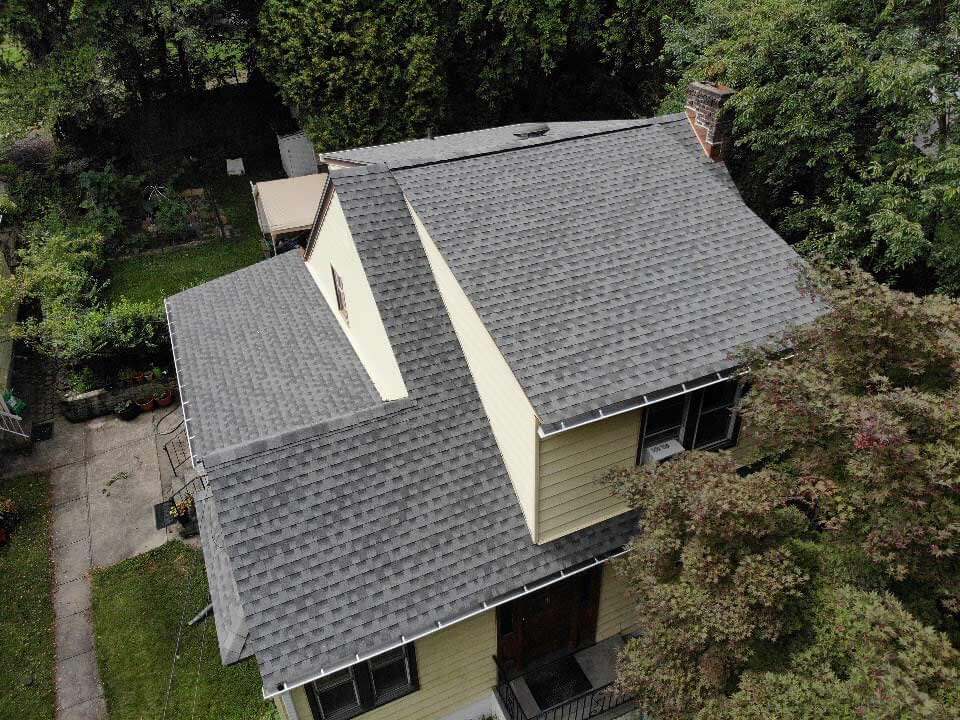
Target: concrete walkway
[(105, 479)]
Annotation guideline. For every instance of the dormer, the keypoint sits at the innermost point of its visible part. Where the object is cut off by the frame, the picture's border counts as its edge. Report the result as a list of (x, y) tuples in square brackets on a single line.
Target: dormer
[(333, 261), (598, 303)]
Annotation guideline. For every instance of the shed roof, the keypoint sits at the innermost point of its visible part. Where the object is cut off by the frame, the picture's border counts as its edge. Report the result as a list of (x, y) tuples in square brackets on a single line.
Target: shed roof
[(289, 204)]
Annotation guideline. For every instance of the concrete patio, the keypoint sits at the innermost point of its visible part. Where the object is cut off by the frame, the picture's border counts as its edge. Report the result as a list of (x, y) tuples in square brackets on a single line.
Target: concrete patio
[(105, 478)]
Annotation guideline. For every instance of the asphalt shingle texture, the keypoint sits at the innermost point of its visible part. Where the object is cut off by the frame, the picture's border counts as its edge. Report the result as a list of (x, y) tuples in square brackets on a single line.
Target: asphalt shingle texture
[(258, 355), (609, 266), (382, 525), (475, 142)]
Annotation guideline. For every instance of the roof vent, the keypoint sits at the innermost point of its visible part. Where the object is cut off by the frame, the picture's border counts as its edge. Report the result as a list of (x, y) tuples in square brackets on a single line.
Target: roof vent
[(531, 130)]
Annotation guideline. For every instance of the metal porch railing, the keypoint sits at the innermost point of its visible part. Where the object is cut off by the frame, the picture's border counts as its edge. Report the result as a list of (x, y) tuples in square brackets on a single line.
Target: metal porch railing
[(10, 423)]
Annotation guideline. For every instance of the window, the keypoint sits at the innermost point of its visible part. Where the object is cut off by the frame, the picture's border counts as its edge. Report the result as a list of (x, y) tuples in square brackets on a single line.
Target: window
[(341, 295), (364, 686), (701, 419)]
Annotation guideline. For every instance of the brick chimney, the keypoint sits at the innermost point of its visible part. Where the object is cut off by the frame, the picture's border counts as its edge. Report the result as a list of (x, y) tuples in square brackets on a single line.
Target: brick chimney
[(704, 103)]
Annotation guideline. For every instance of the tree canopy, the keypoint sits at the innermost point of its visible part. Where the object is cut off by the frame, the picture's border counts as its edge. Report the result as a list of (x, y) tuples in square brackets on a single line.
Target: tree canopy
[(843, 130), (731, 569)]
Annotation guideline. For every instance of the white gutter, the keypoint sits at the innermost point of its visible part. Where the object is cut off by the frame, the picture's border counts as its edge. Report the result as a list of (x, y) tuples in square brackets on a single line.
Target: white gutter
[(527, 589), (176, 371), (601, 415)]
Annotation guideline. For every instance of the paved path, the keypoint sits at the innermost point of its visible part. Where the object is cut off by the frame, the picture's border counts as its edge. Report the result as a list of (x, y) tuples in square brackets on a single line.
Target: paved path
[(105, 479)]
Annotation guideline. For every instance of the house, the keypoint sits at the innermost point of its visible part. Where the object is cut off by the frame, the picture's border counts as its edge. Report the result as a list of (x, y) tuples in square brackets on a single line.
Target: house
[(403, 430)]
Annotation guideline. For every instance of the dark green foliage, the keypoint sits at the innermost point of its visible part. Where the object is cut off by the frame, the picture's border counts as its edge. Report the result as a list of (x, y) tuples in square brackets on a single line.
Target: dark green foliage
[(866, 658), (371, 72), (834, 99)]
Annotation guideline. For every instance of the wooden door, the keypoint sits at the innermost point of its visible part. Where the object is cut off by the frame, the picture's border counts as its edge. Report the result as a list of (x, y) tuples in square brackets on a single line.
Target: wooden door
[(551, 622)]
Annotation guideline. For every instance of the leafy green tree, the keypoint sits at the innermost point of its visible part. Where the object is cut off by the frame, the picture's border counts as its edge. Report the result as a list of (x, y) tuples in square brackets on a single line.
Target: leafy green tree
[(842, 122), (867, 658), (716, 574), (358, 71)]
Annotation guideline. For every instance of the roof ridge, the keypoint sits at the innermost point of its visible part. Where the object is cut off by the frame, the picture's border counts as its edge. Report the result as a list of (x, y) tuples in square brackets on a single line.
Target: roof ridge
[(655, 121)]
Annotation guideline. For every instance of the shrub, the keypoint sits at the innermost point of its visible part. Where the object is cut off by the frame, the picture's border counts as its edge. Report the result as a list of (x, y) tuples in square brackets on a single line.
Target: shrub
[(171, 216), (81, 381)]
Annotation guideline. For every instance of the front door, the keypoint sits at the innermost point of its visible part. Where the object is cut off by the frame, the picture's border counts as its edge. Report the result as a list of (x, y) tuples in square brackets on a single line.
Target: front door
[(548, 623)]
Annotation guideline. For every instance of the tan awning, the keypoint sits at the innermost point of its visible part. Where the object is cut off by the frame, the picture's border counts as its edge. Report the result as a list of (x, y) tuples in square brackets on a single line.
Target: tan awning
[(288, 205)]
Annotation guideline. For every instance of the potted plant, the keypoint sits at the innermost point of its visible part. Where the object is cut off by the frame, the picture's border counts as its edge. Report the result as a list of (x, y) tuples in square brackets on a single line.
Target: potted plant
[(147, 404), (126, 410), (126, 376), (163, 398), (157, 373), (185, 513), (139, 376)]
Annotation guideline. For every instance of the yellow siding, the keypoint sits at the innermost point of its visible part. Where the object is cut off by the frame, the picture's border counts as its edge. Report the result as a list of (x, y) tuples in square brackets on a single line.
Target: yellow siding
[(617, 614), (511, 416), (334, 246), (571, 495), (456, 669)]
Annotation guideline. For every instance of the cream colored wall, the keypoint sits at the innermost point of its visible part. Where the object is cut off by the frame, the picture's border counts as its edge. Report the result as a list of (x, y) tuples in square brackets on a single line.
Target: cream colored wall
[(571, 495), (456, 669), (511, 415), (617, 615), (334, 246)]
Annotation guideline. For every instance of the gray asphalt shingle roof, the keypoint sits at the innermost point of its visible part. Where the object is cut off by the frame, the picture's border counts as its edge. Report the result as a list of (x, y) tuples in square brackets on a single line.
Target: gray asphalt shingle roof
[(240, 356), (609, 266), (603, 265), (474, 142), (378, 525)]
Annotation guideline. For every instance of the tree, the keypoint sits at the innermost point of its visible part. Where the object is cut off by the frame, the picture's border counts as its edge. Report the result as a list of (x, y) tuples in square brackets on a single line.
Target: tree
[(359, 71), (866, 658), (363, 72), (860, 428), (834, 100), (715, 573), (868, 413)]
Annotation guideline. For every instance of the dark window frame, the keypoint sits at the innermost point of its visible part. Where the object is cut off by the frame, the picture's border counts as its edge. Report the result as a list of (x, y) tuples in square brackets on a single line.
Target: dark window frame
[(340, 293), (361, 676), (692, 414)]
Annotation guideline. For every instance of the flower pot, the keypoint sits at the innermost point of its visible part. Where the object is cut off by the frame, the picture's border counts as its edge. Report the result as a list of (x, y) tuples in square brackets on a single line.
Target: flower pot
[(139, 376), (164, 399), (128, 411), (147, 404)]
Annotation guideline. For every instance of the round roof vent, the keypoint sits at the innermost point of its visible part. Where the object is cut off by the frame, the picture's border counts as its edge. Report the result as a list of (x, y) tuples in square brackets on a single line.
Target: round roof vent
[(531, 130)]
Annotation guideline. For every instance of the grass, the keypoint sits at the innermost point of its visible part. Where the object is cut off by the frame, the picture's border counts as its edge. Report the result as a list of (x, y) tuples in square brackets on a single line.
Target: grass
[(26, 606), (150, 278), (139, 606)]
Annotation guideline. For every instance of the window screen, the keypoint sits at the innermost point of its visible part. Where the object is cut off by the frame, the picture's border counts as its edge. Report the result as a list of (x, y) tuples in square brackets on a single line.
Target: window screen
[(337, 696)]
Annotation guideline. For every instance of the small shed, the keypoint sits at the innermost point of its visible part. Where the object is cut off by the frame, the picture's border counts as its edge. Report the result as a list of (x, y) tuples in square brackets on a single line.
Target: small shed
[(286, 208), (297, 154)]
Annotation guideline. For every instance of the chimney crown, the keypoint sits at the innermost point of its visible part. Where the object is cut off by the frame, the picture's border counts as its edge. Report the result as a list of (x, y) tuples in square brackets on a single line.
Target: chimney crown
[(705, 101)]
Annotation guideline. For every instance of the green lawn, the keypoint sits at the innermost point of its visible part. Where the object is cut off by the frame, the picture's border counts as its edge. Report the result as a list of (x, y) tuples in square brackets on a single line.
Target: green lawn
[(138, 608), (151, 278), (26, 607)]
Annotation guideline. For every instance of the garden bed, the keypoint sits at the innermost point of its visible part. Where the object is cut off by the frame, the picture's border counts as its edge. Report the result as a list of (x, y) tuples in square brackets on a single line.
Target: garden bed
[(140, 609), (104, 401), (26, 608)]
